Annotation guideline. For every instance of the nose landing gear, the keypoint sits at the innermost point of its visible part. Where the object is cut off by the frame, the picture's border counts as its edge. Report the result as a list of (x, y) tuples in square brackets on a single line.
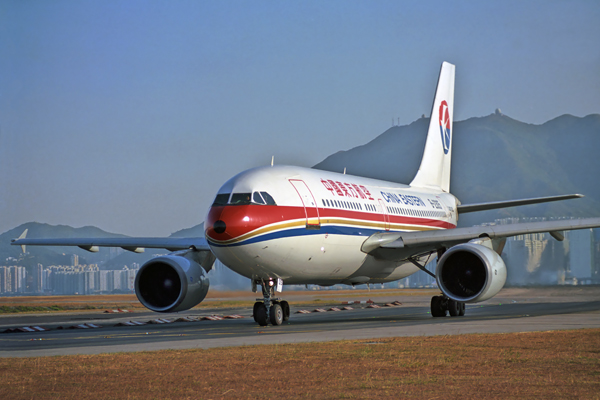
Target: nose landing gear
[(269, 309)]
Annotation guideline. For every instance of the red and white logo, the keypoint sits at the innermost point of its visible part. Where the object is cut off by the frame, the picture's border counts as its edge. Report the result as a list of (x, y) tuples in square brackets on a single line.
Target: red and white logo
[(445, 126)]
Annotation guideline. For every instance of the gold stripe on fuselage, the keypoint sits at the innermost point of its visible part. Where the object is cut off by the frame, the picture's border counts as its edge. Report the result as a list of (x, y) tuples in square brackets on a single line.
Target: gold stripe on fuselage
[(279, 226)]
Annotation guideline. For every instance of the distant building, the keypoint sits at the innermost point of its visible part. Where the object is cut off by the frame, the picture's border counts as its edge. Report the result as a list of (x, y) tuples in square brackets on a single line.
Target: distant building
[(18, 279), (46, 280), (4, 280), (581, 254), (37, 281), (106, 281)]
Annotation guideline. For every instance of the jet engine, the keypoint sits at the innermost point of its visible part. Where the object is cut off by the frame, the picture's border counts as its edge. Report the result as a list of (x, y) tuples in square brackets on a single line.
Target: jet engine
[(471, 272), (171, 283)]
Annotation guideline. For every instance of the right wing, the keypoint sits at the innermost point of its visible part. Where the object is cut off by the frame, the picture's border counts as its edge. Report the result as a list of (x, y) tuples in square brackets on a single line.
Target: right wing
[(467, 208), (401, 245)]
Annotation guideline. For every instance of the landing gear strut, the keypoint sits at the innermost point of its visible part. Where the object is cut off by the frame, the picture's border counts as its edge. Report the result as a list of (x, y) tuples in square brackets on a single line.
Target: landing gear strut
[(440, 305), (269, 309)]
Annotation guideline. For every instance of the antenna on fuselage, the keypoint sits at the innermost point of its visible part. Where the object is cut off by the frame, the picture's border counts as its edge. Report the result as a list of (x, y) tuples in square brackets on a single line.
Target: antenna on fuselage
[(272, 160), (344, 170)]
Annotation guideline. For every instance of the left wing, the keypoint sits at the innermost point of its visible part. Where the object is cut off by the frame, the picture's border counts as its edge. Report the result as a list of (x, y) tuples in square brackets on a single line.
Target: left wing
[(401, 245), (132, 244)]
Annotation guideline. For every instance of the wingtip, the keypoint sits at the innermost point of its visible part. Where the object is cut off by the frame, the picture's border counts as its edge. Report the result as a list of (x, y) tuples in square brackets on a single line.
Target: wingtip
[(23, 236)]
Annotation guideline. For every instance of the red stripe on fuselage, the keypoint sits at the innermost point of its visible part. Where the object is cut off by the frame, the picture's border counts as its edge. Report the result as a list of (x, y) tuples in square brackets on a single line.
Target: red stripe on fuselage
[(240, 220)]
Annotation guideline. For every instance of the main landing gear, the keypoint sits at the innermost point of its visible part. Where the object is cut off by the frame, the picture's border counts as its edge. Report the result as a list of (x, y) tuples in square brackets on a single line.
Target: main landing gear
[(442, 304), (270, 309)]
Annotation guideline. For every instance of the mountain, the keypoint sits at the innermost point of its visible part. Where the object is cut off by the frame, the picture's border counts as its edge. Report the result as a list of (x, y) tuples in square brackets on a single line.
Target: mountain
[(51, 255), (494, 158)]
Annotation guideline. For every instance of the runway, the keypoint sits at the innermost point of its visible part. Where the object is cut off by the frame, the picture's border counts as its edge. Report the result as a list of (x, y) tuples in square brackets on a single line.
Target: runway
[(513, 310)]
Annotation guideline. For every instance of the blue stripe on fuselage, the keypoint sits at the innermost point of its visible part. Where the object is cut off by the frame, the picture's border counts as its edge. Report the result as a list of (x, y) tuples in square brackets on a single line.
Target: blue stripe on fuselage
[(325, 229)]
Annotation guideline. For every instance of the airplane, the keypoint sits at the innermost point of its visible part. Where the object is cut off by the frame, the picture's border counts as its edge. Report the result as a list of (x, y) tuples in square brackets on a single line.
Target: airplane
[(286, 225)]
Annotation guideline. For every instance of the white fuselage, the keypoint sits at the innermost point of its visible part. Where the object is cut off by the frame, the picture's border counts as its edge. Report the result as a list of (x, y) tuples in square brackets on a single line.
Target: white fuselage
[(307, 226)]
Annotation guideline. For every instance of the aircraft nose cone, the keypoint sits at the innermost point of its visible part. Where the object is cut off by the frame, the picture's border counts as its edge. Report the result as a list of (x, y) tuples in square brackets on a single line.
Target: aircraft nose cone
[(219, 226)]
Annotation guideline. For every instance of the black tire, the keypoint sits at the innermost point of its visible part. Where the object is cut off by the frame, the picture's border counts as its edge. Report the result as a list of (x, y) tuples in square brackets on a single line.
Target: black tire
[(285, 306), (454, 308), (437, 307), (461, 313), (261, 316), (256, 305), (276, 314)]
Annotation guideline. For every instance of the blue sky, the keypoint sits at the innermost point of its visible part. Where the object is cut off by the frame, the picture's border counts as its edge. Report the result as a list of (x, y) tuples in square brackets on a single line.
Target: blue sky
[(129, 115)]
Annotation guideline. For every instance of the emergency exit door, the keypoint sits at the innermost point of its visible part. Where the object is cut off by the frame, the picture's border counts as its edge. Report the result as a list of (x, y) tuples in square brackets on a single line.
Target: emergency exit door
[(311, 211)]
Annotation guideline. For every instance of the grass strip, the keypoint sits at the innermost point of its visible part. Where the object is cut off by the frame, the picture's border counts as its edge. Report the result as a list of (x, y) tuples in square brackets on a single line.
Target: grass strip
[(548, 365)]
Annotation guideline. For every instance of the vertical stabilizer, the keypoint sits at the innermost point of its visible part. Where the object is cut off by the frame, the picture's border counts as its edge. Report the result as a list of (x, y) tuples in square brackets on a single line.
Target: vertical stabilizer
[(434, 171)]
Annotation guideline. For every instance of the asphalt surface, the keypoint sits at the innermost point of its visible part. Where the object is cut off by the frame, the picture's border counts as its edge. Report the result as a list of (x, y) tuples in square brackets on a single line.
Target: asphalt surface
[(513, 310)]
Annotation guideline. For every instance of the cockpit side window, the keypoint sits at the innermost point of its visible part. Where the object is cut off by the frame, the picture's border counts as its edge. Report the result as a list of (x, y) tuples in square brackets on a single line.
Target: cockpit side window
[(270, 201), (221, 199), (257, 198)]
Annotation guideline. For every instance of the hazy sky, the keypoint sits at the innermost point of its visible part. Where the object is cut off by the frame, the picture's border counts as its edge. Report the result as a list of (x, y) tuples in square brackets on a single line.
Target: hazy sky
[(129, 115)]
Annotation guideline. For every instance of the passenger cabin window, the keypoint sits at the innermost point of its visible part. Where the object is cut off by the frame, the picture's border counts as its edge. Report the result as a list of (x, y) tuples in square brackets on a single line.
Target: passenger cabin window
[(221, 199)]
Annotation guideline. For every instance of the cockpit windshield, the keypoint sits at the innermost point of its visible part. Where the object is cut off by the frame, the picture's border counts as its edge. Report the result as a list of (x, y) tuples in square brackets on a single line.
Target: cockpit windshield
[(222, 199), (241, 199)]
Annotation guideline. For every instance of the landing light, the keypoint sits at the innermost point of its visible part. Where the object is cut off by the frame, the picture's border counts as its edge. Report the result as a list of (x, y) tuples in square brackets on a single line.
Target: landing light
[(246, 219)]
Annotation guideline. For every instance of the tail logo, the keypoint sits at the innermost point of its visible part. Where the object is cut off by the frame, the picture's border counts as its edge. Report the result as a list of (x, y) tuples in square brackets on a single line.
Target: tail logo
[(445, 126)]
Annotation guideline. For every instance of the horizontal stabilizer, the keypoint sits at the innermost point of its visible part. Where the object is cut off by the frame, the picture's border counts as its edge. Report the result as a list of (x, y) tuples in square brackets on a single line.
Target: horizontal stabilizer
[(467, 208)]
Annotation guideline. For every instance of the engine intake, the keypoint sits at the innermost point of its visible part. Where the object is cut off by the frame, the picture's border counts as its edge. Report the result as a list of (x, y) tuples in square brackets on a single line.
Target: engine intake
[(171, 283), (470, 272)]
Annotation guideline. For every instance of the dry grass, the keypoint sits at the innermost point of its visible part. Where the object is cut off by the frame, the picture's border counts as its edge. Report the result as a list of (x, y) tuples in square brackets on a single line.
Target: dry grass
[(68, 303), (550, 365)]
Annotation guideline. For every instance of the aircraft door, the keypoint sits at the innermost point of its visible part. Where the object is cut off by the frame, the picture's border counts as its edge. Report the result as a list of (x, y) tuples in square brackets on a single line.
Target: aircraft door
[(311, 211), (447, 211), (386, 216)]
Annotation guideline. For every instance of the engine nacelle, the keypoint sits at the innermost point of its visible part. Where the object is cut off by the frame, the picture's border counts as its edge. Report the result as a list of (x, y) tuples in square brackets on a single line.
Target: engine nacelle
[(171, 283), (471, 272)]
